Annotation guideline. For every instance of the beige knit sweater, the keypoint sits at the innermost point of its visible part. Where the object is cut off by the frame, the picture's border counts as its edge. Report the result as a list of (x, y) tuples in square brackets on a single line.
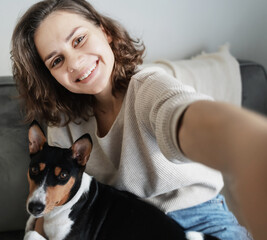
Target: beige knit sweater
[(140, 153)]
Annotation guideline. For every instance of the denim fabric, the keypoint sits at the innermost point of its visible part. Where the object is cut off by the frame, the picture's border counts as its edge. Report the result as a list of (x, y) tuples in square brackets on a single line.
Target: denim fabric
[(213, 218)]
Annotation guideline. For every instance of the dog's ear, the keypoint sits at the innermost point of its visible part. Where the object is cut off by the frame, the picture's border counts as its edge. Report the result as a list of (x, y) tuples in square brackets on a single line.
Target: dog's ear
[(36, 137), (82, 148)]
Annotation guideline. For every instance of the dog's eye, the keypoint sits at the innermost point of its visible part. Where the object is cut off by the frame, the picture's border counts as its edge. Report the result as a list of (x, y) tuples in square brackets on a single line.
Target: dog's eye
[(63, 175), (35, 170)]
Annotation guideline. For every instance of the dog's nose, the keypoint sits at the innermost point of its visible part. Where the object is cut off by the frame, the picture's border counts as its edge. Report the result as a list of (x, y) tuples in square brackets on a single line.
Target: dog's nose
[(36, 208)]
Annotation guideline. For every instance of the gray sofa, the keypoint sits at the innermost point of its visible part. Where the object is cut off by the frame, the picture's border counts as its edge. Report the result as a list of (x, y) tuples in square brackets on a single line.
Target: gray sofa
[(14, 157)]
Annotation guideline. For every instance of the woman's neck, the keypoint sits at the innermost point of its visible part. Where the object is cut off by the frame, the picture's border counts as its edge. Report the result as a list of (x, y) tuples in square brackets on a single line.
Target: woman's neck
[(108, 103), (106, 110)]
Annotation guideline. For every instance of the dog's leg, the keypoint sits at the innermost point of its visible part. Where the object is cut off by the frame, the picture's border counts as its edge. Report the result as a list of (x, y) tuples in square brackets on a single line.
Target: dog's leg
[(194, 236), (30, 234), (30, 224), (199, 236), (33, 235)]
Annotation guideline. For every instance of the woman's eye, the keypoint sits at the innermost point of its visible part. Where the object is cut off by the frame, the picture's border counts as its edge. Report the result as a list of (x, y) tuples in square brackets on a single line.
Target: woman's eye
[(56, 61), (35, 170), (77, 41), (63, 175)]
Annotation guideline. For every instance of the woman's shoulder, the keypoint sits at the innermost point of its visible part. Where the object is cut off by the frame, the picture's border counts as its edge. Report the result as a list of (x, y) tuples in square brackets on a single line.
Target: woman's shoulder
[(148, 70), (152, 77)]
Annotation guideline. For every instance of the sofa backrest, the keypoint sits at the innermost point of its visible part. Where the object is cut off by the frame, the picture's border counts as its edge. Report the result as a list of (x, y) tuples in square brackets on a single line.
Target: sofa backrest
[(14, 157)]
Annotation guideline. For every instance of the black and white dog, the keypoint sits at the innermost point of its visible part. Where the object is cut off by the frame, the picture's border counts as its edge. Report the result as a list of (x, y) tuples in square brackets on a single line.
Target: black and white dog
[(76, 206)]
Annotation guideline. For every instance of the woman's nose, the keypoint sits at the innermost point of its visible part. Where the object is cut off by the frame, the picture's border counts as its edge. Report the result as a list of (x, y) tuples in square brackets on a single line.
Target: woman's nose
[(74, 63), (70, 70)]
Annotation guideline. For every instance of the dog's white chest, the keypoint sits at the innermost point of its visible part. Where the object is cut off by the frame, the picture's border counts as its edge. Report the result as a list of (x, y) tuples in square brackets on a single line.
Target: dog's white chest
[(57, 228), (57, 223)]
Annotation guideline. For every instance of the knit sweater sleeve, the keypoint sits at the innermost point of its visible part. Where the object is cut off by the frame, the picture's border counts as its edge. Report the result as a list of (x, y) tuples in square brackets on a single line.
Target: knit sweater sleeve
[(160, 101)]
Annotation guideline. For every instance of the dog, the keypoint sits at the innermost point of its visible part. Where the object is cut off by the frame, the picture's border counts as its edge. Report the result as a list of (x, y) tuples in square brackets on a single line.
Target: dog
[(76, 206)]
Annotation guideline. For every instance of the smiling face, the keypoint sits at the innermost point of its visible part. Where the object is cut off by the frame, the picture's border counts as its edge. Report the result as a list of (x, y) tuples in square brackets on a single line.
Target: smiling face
[(76, 52)]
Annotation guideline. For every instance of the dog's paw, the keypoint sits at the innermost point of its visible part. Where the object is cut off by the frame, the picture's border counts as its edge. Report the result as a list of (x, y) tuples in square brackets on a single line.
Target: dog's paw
[(33, 235), (194, 236)]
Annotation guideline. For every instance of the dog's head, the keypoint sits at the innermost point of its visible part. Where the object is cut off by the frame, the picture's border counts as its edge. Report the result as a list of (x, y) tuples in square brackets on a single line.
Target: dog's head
[(54, 173)]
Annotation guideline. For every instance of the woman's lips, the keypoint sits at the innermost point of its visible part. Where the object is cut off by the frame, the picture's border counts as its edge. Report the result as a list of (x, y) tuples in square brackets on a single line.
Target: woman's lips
[(89, 72)]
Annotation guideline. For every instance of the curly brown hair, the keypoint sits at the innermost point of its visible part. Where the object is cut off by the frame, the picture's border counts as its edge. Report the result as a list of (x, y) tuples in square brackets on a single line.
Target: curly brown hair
[(43, 97)]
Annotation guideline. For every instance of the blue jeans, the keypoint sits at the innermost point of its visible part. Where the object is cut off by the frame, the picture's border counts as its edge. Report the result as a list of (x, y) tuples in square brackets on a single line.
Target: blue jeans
[(213, 218)]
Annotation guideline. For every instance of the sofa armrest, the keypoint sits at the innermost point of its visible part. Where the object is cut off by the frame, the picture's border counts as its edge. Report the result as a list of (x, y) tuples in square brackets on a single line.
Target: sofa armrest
[(254, 86)]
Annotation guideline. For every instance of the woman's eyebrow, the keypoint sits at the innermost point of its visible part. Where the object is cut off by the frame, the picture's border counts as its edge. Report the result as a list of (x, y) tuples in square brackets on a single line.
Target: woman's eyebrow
[(71, 34), (66, 40), (50, 55)]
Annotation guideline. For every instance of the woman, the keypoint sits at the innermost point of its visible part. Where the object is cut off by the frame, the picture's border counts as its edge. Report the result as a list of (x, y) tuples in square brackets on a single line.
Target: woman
[(77, 71)]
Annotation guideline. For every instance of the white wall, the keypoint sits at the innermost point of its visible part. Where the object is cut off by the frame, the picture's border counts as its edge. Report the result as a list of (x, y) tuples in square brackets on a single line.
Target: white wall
[(172, 29)]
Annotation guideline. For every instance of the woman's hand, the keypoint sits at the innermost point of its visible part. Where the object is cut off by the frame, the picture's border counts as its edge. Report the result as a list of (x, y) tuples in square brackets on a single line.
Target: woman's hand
[(34, 229), (233, 141), (39, 226)]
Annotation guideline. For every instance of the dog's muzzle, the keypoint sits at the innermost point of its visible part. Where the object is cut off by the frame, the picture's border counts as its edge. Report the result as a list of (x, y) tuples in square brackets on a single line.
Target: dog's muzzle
[(36, 208)]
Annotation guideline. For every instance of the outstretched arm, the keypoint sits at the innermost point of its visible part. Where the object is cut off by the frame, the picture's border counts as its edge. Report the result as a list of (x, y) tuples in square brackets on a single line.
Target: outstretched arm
[(234, 141)]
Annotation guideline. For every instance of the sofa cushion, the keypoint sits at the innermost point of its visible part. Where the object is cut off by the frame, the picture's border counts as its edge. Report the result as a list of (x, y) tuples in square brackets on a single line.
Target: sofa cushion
[(215, 74), (14, 159)]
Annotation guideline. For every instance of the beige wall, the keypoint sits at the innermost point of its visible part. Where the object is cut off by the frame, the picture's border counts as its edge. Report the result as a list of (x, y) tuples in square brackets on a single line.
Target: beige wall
[(172, 29)]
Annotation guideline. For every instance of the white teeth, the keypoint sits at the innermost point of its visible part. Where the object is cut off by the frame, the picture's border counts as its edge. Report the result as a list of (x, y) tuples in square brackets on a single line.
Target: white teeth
[(88, 73)]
